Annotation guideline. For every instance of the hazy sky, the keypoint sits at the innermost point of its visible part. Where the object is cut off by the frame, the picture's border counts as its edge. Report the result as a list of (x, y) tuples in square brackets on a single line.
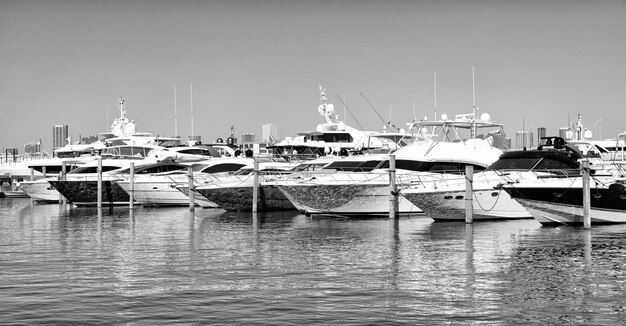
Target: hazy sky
[(260, 61)]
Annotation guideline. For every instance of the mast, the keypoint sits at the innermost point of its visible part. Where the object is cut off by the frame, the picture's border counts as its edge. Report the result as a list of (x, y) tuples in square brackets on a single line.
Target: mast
[(191, 95), (473, 132), (345, 117), (435, 82), (175, 115)]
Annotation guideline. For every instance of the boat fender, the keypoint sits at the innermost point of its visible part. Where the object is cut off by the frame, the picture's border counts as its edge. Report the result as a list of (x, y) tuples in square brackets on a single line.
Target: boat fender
[(617, 189)]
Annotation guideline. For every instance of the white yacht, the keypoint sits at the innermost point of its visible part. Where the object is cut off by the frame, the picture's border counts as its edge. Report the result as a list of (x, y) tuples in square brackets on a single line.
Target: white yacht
[(38, 188), (444, 200), (442, 151), (335, 137), (233, 192), (80, 186), (159, 189)]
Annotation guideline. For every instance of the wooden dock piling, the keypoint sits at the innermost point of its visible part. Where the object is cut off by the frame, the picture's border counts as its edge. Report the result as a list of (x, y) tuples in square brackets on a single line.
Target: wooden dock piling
[(62, 199), (393, 188), (469, 194), (131, 193), (192, 204), (584, 166), (99, 173), (255, 188)]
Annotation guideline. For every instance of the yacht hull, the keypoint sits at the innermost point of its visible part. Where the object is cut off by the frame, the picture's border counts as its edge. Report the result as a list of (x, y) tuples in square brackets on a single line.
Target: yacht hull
[(450, 205), (14, 194), (555, 206), (240, 198), (85, 192), (155, 194), (556, 214), (347, 200), (40, 191)]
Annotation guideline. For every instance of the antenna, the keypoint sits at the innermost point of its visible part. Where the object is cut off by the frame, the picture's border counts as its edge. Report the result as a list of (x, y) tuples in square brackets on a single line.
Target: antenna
[(473, 132), (175, 115), (473, 93), (435, 82), (381, 118), (345, 117), (353, 117), (191, 94)]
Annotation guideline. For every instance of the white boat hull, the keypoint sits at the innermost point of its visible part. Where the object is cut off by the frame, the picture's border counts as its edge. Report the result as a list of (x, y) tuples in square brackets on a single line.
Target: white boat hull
[(40, 191), (555, 214), (14, 194), (162, 194), (346, 200), (450, 205)]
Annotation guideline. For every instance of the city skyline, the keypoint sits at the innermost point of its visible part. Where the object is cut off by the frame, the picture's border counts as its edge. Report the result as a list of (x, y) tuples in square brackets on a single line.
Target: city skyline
[(258, 62)]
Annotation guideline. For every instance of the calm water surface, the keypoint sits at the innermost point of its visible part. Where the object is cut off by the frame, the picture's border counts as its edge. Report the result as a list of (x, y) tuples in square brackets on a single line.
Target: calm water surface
[(164, 266)]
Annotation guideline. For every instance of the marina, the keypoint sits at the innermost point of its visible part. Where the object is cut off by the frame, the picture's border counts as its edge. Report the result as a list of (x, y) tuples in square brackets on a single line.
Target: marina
[(277, 162)]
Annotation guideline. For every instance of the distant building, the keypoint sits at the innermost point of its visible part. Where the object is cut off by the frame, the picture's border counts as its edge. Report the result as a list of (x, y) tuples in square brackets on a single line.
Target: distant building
[(541, 132), (32, 148), (500, 142), (269, 133), (524, 139), (247, 138), (563, 132), (59, 136)]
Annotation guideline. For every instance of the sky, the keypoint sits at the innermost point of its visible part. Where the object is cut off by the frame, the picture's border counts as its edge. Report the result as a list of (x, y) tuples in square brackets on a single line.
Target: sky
[(537, 63)]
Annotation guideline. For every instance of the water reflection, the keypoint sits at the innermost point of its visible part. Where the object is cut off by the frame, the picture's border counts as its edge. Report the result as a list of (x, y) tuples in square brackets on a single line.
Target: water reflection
[(173, 264)]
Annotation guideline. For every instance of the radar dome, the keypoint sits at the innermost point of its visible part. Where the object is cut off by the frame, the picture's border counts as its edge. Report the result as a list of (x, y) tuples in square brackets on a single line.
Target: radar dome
[(587, 134), (330, 107), (485, 117), (444, 117)]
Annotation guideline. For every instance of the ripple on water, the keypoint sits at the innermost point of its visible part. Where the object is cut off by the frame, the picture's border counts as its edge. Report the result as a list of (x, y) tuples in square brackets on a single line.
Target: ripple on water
[(63, 265)]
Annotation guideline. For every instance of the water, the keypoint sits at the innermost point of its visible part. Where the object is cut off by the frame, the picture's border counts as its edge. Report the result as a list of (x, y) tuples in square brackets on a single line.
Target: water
[(78, 266)]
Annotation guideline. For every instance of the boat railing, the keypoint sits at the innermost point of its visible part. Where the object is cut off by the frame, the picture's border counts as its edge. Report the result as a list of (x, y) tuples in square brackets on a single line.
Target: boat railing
[(481, 180), (92, 177)]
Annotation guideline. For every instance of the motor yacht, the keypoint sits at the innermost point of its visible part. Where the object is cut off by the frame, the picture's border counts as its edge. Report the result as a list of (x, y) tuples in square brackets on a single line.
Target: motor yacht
[(441, 150), (333, 137), (159, 189)]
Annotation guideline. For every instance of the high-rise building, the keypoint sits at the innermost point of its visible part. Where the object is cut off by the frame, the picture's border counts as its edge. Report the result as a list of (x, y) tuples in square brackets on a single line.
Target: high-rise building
[(499, 141), (59, 136), (269, 133), (541, 132), (524, 139), (247, 138), (32, 148)]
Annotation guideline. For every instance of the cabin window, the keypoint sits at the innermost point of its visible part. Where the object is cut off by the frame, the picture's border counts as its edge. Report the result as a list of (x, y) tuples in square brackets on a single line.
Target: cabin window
[(161, 168), (550, 164), (93, 169), (226, 167), (514, 163)]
